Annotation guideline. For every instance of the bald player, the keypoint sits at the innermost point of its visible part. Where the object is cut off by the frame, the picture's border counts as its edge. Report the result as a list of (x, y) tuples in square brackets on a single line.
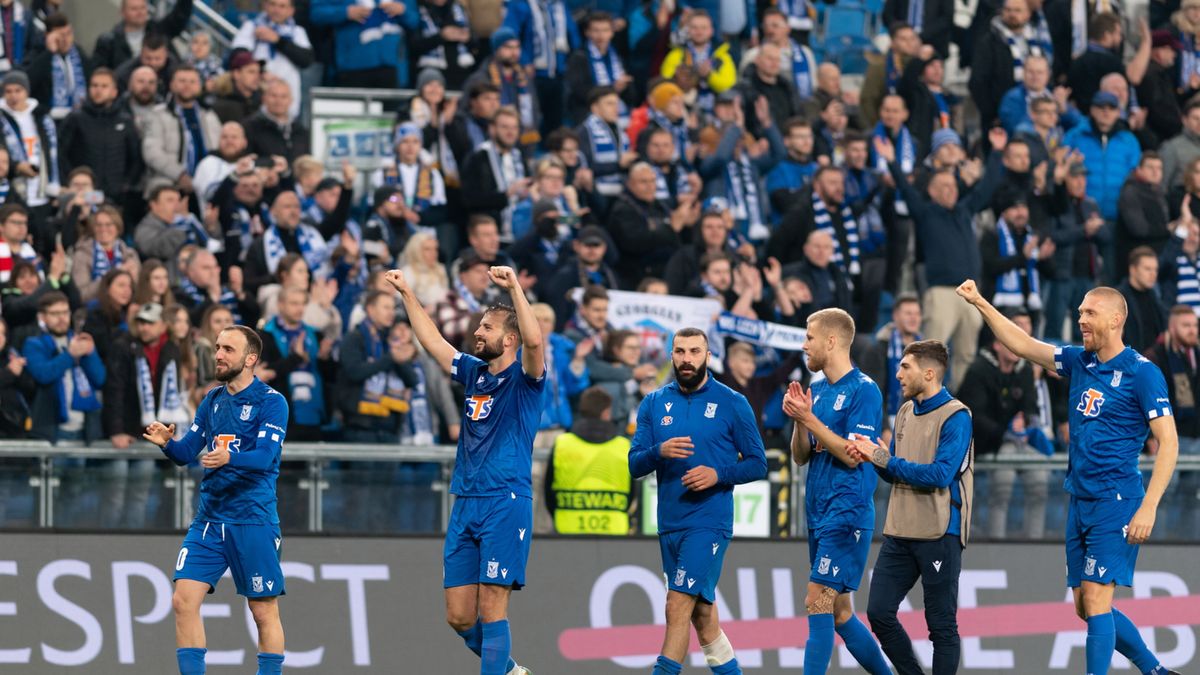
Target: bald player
[(1117, 397)]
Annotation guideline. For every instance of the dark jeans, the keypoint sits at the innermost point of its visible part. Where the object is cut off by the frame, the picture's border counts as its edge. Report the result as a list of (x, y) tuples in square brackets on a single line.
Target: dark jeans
[(937, 564)]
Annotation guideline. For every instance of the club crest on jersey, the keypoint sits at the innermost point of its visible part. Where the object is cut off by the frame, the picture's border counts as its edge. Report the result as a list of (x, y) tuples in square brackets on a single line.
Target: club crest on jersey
[(710, 410), (479, 406), (1116, 381), (839, 401), (246, 412), (823, 566), (493, 570), (666, 420), (1090, 402)]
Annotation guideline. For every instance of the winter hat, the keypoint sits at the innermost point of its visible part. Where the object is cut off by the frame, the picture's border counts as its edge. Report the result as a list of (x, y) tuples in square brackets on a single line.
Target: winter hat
[(942, 137), (503, 35), (17, 77), (428, 75), (663, 93)]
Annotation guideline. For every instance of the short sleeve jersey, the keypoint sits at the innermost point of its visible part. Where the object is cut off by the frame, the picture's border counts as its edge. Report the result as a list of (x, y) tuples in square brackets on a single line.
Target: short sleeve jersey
[(837, 494), (500, 419), (1110, 407)]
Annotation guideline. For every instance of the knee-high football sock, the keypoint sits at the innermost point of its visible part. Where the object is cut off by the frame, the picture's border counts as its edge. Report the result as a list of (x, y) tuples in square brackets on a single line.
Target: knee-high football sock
[(862, 645), (665, 666), (191, 660), (1132, 646), (497, 643), (1101, 638), (819, 648), (270, 664), (473, 636)]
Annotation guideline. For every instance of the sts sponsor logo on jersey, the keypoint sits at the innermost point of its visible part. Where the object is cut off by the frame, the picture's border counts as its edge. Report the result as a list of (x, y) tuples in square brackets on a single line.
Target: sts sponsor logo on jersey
[(226, 442), (1090, 402), (479, 406)]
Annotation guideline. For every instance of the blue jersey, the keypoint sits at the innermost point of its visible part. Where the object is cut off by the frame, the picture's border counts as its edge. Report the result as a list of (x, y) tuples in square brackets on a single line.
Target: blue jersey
[(1111, 405), (252, 424), (722, 427), (837, 494), (500, 420)]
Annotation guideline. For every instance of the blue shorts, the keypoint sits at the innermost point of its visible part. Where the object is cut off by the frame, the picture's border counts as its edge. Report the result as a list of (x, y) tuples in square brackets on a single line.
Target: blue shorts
[(692, 561), (487, 541), (838, 556), (1096, 546), (250, 553)]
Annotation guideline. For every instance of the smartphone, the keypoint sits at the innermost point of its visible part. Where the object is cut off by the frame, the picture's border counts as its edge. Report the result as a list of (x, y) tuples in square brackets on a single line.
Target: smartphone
[(94, 197)]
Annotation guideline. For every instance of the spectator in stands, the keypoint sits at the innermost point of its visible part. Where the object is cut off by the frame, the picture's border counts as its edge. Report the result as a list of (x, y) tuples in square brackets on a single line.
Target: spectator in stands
[(59, 74), (200, 55), (645, 231), (537, 253), (619, 370), (586, 268), (78, 200), (1103, 56), (32, 141), (468, 297), (301, 360), (797, 64), (386, 231), (604, 146), (665, 108), (443, 44), (1180, 151), (864, 193), (1015, 107), (24, 290), (319, 313), (366, 39), (883, 73), (712, 62), (16, 389), (245, 97), (425, 275), (154, 55), (673, 179), (591, 459), (831, 131), (20, 37), (740, 375), (285, 234), (271, 130), (214, 320), (1015, 258), (764, 79), (1157, 90), (598, 65), (881, 359), (684, 266), (141, 96), (242, 202), (154, 285), (999, 390), (101, 135), (929, 104), (216, 166), (549, 183), (820, 206), (1147, 313), (1176, 353), (1143, 218), (101, 250), (483, 240), (471, 125), (827, 284), (730, 171), (1042, 133), (505, 71), (373, 375), (546, 40), (1177, 263), (1079, 234), (493, 178), (589, 322), (1000, 55), (419, 183), (68, 373), (14, 231), (201, 287), (1109, 152), (946, 233), (129, 35), (566, 370), (156, 235), (932, 21), (274, 37), (177, 137)]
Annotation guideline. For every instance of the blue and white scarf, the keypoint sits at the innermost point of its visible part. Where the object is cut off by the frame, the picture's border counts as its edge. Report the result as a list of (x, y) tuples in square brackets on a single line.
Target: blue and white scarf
[(438, 56), (916, 14), (83, 397), (170, 407), (705, 97), (20, 24), (18, 152), (312, 247), (895, 353), (892, 71), (799, 14), (5, 186), (68, 91), (1187, 282), (191, 226), (307, 399), (607, 148), (662, 189), (679, 130), (1041, 36), (1008, 285), (506, 169), (550, 39), (1189, 61), (228, 299), (244, 226), (741, 186), (606, 70), (1020, 45), (848, 260), (194, 147), (100, 262), (465, 295), (802, 71), (906, 155), (287, 29), (380, 395), (418, 429)]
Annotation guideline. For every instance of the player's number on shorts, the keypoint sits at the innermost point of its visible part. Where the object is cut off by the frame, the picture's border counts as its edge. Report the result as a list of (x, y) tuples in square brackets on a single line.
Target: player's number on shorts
[(593, 522), (182, 559)]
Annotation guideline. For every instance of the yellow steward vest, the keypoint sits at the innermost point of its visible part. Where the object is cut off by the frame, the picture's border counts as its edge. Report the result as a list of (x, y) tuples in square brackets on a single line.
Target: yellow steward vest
[(591, 486)]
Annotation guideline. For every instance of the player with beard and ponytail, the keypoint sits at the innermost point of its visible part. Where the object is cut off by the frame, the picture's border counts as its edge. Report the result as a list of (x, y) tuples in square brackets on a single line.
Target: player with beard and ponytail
[(700, 438), (241, 425), (491, 525)]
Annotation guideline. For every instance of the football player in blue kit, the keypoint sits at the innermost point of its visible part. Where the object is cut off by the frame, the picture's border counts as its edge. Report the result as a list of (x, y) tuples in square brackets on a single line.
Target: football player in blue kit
[(844, 407), (491, 525), (700, 438), (1118, 397), (240, 428)]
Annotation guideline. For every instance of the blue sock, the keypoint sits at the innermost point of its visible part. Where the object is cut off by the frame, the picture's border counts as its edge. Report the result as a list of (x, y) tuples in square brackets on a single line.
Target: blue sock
[(1131, 644), (728, 668), (665, 666), (862, 645), (473, 636), (494, 652), (1101, 638), (819, 648), (270, 664), (191, 660)]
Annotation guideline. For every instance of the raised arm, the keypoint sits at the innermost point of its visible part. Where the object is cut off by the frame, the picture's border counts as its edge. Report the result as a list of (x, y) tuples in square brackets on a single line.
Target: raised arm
[(1009, 333), (533, 355), (423, 327)]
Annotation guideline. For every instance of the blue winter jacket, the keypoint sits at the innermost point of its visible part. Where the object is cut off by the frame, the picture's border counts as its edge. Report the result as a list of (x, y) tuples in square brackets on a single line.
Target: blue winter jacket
[(1109, 158), (372, 44)]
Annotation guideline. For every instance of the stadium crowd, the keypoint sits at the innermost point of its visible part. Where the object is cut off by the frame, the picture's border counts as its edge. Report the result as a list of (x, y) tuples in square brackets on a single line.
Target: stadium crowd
[(155, 191)]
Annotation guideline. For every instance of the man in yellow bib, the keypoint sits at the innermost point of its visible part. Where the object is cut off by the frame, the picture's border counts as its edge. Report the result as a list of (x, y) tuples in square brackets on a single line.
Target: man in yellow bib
[(588, 486)]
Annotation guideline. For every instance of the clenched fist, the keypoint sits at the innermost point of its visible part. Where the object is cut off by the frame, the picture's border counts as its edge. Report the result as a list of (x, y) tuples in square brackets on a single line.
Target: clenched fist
[(967, 291)]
